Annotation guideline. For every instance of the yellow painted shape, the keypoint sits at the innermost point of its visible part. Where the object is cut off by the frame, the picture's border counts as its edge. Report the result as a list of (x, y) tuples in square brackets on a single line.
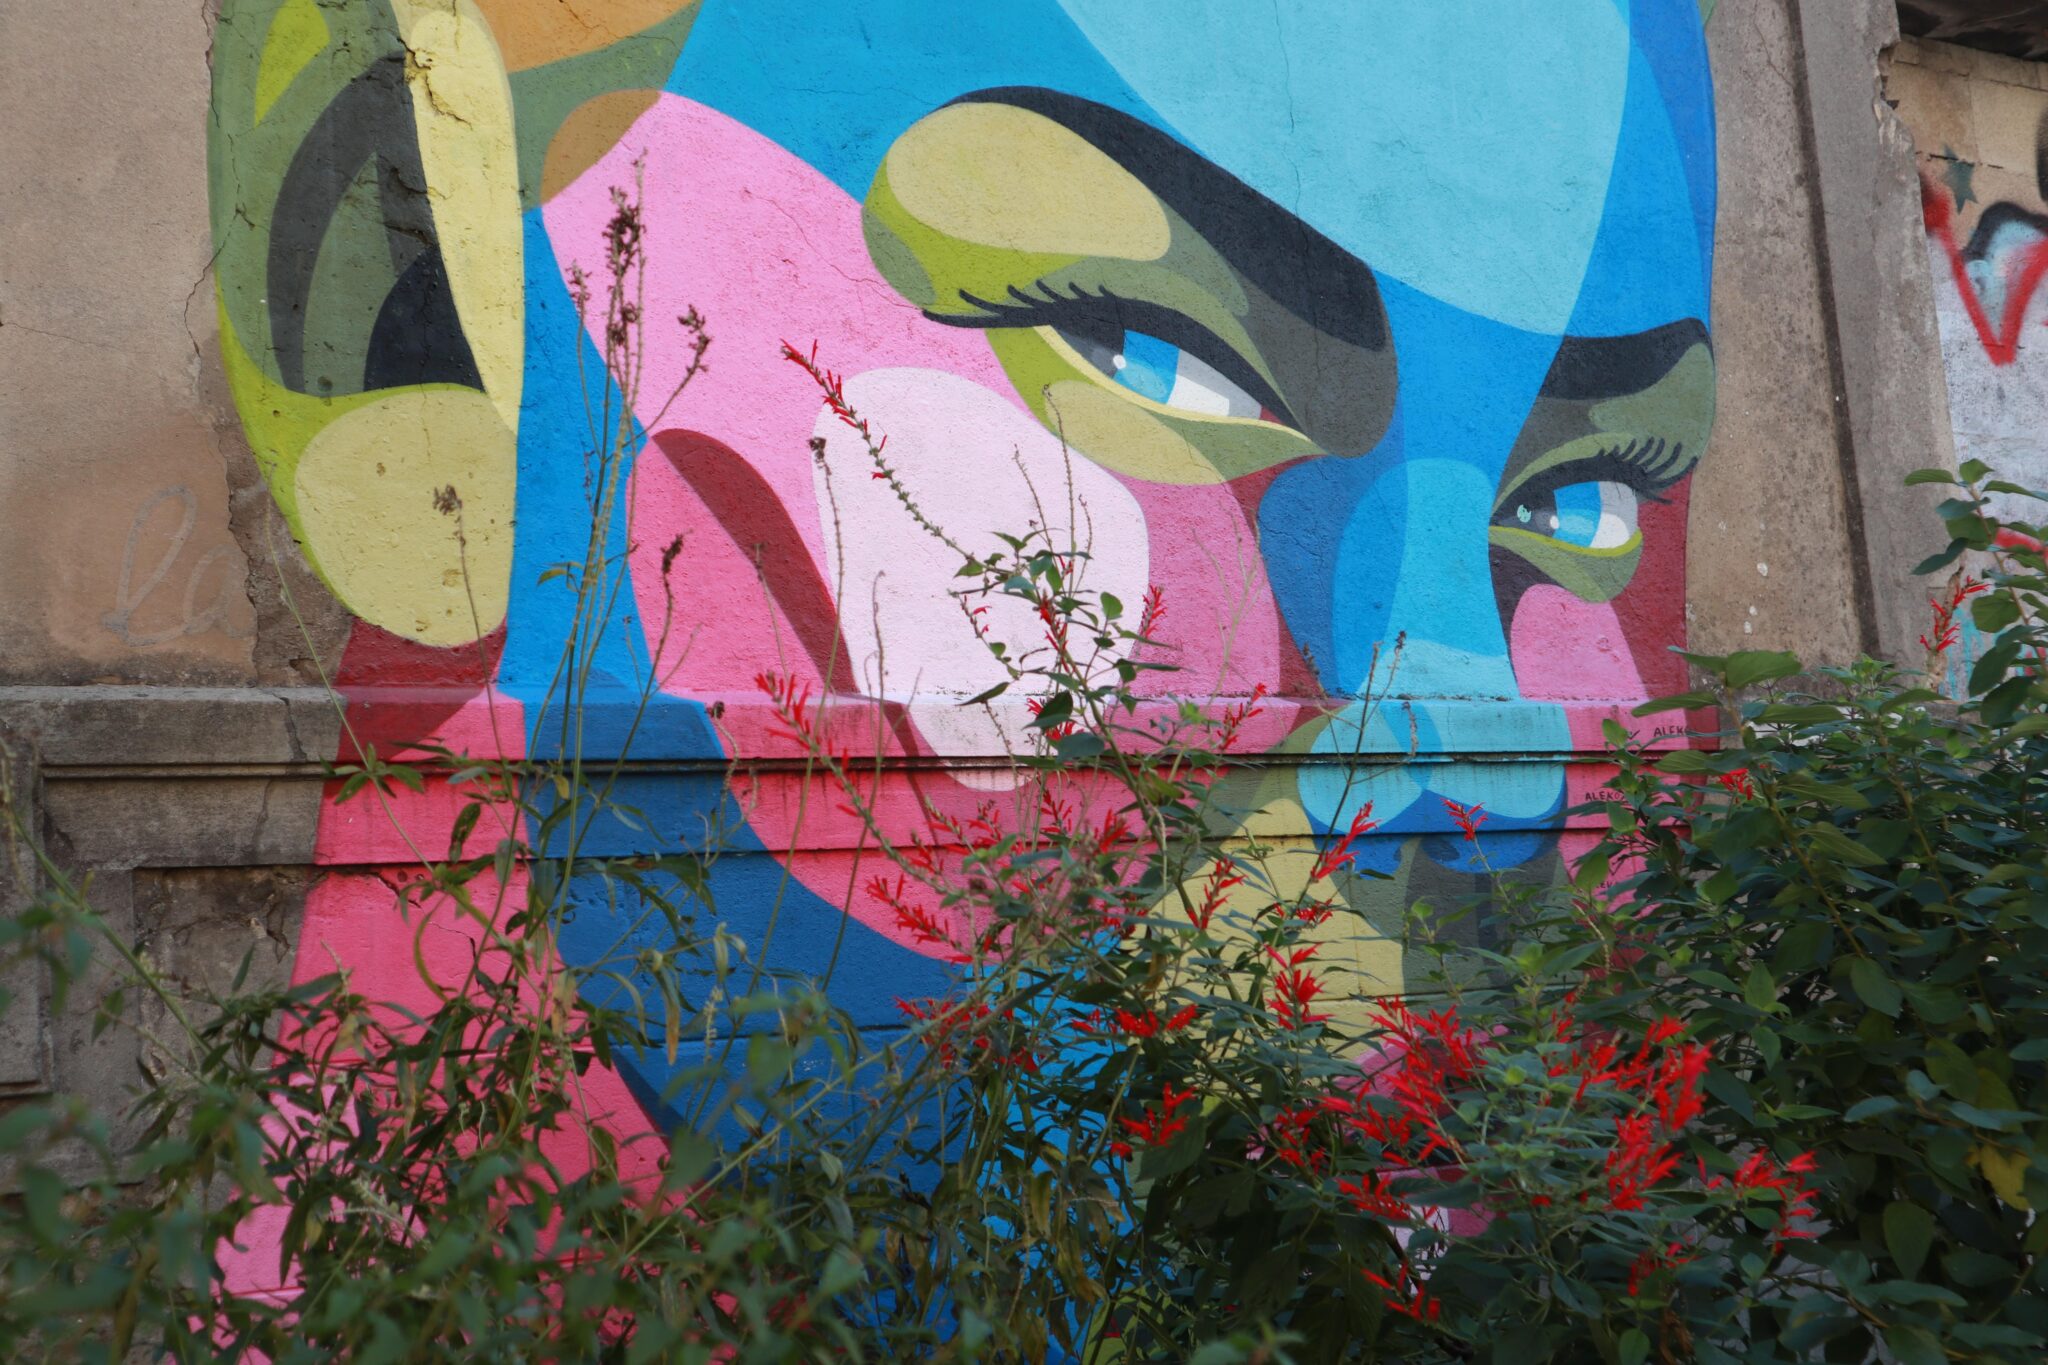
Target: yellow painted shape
[(1356, 963), (462, 107), (535, 32), (279, 422), (365, 490), (994, 175), (297, 35)]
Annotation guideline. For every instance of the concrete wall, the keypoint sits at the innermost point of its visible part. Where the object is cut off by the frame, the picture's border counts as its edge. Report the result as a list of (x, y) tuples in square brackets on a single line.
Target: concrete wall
[(275, 278)]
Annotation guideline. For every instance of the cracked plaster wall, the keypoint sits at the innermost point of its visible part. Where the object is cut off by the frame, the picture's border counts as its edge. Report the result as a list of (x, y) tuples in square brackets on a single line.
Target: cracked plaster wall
[(136, 543)]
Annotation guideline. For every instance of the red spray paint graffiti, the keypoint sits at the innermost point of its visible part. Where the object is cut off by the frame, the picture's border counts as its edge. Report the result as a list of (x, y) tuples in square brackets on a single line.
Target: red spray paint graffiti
[(2022, 267)]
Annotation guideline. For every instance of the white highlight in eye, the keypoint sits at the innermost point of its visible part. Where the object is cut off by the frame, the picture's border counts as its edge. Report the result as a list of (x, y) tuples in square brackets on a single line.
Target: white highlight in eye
[(1197, 387), (1617, 517)]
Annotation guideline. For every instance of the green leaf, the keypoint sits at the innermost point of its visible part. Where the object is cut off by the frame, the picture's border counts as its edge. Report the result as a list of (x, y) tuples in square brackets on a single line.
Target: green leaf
[(1678, 701), (1952, 1069), (1998, 1120), (1752, 666), (1683, 761), (1760, 989), (768, 1061), (1914, 1345), (1908, 1233), (1871, 1108), (1906, 1291), (1799, 713), (1839, 846), (1991, 668), (990, 695), (1058, 709), (1977, 1269), (1941, 476), (1937, 562), (1874, 988), (1634, 1347), (1994, 612), (1077, 747)]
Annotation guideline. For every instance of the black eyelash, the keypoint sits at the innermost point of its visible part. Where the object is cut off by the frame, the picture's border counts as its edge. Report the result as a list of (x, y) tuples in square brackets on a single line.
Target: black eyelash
[(1647, 465), (1072, 308)]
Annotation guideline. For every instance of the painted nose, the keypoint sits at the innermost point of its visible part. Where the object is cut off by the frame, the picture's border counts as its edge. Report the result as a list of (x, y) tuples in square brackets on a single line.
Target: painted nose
[(1441, 716)]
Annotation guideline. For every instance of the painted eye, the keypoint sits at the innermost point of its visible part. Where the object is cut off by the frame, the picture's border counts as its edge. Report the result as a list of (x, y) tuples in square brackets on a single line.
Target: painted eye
[(1592, 516), (1164, 373)]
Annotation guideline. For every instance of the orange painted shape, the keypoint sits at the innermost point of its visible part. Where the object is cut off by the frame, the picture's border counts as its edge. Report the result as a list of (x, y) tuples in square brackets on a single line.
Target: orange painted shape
[(592, 129), (535, 32)]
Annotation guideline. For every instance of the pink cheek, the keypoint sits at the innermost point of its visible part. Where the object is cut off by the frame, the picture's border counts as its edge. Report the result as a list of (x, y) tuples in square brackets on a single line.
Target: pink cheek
[(1575, 653), (1566, 649)]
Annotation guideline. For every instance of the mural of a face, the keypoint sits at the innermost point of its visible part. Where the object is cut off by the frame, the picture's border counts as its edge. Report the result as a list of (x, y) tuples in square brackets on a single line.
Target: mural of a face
[(1377, 333)]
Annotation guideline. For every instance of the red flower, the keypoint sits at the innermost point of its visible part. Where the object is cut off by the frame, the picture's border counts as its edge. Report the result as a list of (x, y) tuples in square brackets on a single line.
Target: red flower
[(1338, 855), (1946, 631), (1214, 891), (1295, 987), (1159, 1123), (1235, 715), (1738, 783), (1374, 1194), (1407, 1297), (914, 919), (1468, 818), (1649, 1262), (1154, 610), (1759, 1173)]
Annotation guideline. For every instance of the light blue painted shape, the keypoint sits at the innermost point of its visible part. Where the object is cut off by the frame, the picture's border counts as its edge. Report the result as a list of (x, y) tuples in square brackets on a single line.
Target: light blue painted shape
[(1674, 43), (1649, 264), (1462, 146), (837, 83)]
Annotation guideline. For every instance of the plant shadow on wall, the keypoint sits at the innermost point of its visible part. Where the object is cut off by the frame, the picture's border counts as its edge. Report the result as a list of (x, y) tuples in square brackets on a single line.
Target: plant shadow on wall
[(1763, 1080)]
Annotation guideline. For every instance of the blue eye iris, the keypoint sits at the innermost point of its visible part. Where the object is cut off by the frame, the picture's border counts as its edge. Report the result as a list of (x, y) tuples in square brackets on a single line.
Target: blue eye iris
[(1147, 366), (1578, 513), (1593, 515), (1162, 372)]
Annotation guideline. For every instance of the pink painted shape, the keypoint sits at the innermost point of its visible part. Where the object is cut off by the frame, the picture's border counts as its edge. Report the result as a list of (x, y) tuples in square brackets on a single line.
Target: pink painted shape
[(768, 250), (352, 923), (406, 826), (1569, 650), (1222, 629), (976, 466)]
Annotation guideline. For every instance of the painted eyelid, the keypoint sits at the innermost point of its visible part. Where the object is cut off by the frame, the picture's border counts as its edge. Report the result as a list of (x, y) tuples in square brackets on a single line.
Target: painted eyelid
[(1196, 310), (1599, 454)]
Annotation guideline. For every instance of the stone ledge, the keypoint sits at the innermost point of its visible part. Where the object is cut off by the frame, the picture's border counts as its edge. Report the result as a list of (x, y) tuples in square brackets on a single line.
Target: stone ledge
[(127, 727)]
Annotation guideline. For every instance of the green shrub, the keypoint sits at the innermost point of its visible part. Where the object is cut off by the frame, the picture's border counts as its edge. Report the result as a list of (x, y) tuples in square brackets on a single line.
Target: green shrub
[(1775, 1094), (1850, 898)]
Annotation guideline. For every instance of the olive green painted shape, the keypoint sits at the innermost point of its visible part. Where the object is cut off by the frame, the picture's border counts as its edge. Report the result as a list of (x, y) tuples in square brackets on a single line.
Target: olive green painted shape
[(248, 158)]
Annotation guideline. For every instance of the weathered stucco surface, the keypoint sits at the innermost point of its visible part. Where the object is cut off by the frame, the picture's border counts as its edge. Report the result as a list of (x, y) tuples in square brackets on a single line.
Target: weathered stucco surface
[(116, 561)]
